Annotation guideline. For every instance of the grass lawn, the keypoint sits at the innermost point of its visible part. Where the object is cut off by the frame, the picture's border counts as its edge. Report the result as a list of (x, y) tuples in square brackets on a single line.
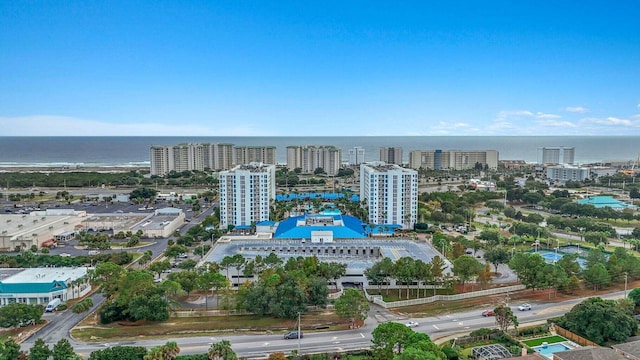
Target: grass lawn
[(549, 339), (89, 330)]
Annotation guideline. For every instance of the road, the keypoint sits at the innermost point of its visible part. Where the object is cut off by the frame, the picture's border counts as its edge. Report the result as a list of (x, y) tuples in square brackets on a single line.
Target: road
[(260, 346)]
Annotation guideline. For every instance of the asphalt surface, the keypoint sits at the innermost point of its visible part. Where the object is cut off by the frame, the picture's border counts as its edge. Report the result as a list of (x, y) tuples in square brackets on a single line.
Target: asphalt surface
[(260, 346)]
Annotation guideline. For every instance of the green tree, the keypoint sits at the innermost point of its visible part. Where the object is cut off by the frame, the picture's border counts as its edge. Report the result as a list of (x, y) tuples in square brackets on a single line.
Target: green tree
[(528, 266), (14, 314), (318, 292), (173, 251), (466, 267), (497, 256), (10, 350), (159, 266), (504, 317), (39, 351), (634, 295), (601, 321), (389, 339), (221, 350), (119, 353), (352, 305), (62, 350), (107, 276), (597, 276)]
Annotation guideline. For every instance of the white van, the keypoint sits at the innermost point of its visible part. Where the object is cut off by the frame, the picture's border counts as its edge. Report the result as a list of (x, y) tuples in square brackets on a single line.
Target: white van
[(53, 305)]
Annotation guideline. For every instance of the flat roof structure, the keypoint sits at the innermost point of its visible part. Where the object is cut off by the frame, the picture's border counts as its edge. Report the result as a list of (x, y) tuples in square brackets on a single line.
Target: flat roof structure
[(355, 253), (44, 275), (604, 201), (301, 227)]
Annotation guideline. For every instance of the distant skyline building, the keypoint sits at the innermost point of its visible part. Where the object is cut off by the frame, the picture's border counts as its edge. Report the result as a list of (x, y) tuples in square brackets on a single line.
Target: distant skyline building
[(390, 193), (246, 192), (556, 155), (391, 155), (309, 158), (563, 173), (453, 159), (191, 157), (356, 155), (251, 154)]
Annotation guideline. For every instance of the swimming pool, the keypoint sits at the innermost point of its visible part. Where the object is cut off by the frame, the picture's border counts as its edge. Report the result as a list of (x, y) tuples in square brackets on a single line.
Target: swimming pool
[(552, 257), (548, 350)]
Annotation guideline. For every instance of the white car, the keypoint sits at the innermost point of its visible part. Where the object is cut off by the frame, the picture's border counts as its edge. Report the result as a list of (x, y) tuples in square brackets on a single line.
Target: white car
[(524, 307), (412, 324)]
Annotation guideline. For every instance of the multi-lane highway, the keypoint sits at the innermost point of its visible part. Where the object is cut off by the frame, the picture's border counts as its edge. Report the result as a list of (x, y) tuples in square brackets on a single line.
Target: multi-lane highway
[(260, 346)]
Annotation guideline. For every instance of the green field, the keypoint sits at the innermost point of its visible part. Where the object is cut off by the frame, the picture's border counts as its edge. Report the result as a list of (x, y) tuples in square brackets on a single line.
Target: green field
[(549, 339)]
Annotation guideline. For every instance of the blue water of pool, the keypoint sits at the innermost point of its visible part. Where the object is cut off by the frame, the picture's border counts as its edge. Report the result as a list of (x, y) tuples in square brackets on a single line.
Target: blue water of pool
[(551, 349), (553, 257)]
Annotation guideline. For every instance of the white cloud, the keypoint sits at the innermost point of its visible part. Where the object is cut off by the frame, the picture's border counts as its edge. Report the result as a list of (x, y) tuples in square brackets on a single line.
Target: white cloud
[(51, 125), (613, 121), (556, 123), (540, 115), (576, 109)]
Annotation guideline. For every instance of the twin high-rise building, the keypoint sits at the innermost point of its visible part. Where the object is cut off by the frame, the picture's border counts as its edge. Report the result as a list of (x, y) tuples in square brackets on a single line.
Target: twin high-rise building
[(246, 192), (356, 155), (206, 156), (556, 155), (453, 159), (390, 193), (310, 158), (391, 155)]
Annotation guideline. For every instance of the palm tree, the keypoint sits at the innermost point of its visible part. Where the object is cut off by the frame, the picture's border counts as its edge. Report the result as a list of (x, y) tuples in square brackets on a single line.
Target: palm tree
[(221, 351)]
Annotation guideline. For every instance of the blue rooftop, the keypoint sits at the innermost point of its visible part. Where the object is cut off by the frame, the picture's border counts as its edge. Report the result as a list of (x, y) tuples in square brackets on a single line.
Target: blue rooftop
[(353, 227), (604, 201)]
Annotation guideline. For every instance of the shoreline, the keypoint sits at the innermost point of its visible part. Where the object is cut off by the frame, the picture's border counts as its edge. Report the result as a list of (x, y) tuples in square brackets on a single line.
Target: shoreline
[(60, 169)]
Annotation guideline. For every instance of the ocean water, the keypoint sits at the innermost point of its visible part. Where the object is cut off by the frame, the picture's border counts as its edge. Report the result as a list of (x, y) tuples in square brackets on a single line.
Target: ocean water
[(134, 151)]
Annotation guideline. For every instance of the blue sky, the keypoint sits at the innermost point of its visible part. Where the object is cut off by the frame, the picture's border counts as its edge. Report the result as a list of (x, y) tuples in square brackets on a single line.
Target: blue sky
[(326, 68)]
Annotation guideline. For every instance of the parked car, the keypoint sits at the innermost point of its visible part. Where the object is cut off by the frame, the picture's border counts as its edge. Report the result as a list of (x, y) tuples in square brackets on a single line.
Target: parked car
[(412, 324), (487, 313), (524, 307), (292, 335)]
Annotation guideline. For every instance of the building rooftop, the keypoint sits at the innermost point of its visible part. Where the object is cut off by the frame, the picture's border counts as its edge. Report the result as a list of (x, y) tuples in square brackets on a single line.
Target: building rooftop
[(604, 201), (588, 353), (42, 275), (632, 348), (300, 227)]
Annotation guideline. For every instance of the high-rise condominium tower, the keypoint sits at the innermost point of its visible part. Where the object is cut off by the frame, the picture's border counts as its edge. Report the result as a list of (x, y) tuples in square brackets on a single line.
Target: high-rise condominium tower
[(556, 155), (246, 192), (391, 155), (390, 193), (309, 158), (356, 155)]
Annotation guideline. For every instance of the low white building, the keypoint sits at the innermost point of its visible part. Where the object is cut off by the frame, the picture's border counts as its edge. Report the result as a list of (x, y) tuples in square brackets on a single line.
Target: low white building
[(40, 285), (37, 227)]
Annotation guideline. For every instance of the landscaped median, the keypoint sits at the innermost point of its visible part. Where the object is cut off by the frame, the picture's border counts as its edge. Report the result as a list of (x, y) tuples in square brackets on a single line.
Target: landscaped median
[(89, 330)]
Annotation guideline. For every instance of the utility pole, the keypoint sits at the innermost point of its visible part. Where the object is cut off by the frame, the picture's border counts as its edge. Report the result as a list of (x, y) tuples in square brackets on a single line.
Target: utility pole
[(300, 334), (625, 284)]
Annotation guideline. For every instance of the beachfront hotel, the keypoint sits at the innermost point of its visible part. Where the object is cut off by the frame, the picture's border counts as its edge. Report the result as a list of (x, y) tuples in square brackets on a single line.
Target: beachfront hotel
[(390, 193), (453, 159), (309, 158), (556, 155), (250, 154), (356, 155), (190, 157), (391, 155), (246, 192)]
